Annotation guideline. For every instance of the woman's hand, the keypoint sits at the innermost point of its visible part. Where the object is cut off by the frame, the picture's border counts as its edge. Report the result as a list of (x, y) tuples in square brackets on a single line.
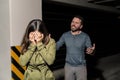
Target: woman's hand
[(38, 36), (31, 37)]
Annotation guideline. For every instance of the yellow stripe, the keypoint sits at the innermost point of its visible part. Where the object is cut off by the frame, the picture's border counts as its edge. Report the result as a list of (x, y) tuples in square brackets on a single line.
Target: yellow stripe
[(17, 72), (15, 56), (18, 48), (15, 68), (12, 79)]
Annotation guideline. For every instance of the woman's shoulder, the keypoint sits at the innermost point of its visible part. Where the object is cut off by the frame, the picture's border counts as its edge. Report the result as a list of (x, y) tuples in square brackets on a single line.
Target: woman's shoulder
[(52, 40)]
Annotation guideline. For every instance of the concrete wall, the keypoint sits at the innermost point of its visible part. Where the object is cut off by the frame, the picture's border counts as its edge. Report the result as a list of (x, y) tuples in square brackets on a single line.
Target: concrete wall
[(21, 12), (4, 40), (14, 17)]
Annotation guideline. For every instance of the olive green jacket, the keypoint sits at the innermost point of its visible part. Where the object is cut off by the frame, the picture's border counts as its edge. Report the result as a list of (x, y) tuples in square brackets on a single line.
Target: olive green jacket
[(37, 58)]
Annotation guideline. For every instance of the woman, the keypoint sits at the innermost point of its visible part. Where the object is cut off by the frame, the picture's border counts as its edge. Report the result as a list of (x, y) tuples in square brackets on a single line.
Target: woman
[(38, 51)]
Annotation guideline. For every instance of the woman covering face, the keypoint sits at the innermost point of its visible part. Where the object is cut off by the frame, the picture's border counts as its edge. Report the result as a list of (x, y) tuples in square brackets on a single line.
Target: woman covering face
[(38, 51)]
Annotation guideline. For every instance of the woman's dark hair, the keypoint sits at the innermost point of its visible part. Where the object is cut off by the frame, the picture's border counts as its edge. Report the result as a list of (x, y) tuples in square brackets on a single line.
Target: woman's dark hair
[(35, 24)]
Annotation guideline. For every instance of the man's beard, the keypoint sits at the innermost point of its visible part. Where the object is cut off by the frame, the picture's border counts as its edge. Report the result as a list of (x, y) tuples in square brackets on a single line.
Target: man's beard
[(76, 30)]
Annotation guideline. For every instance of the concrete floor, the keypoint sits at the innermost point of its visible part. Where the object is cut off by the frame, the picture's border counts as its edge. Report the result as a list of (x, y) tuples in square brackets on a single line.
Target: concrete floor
[(107, 68), (110, 67)]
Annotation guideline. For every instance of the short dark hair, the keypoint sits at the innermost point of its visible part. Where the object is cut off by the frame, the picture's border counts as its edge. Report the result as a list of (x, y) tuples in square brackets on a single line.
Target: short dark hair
[(80, 17)]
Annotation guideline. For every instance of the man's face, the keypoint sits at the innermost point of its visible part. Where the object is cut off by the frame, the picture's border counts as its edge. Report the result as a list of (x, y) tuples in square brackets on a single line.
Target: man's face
[(76, 24)]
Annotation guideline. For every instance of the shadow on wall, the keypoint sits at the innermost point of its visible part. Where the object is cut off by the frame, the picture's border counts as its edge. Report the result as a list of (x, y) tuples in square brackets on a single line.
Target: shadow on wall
[(94, 73)]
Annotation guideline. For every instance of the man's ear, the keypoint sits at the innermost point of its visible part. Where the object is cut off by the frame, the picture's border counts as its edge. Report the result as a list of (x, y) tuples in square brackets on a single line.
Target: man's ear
[(81, 26)]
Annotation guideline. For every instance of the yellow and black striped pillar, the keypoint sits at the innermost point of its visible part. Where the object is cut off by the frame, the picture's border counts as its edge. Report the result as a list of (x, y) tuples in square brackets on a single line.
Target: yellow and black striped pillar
[(17, 71)]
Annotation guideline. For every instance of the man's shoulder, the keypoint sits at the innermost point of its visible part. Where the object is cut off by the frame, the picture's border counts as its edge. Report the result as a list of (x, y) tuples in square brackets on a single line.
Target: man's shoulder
[(84, 33), (67, 32)]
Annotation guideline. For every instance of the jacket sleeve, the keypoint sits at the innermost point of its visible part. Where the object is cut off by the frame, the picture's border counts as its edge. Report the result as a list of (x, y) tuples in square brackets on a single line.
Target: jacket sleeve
[(24, 59), (48, 52)]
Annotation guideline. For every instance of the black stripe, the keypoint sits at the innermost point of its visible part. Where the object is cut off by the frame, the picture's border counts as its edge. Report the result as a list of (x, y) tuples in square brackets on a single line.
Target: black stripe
[(15, 50), (14, 76), (17, 65)]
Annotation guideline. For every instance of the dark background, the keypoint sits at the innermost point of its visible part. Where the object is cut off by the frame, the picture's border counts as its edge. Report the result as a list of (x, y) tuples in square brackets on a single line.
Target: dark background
[(102, 26)]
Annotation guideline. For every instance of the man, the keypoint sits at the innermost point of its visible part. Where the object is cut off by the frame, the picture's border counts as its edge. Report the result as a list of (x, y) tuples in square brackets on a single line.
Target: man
[(76, 42)]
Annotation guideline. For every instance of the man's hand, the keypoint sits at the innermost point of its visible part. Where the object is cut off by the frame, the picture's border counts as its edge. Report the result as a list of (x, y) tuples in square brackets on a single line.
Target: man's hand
[(90, 49)]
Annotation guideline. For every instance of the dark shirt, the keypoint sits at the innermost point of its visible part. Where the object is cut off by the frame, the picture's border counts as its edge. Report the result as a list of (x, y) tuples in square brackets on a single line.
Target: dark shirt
[(75, 47)]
